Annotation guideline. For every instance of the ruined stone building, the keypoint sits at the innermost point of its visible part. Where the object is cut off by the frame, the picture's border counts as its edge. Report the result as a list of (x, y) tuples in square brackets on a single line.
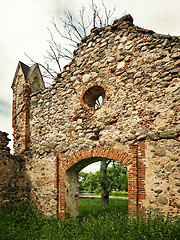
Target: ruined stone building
[(61, 129)]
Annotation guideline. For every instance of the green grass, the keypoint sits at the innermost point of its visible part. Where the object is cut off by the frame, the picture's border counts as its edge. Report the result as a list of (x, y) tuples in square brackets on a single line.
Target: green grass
[(113, 193), (94, 222), (119, 194), (92, 207)]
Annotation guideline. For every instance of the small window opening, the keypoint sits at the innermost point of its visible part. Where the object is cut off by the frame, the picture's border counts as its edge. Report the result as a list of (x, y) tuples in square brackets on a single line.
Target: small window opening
[(94, 96)]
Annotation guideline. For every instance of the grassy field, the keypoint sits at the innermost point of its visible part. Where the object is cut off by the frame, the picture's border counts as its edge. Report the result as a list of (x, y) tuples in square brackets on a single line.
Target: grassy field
[(95, 222), (113, 194), (119, 194)]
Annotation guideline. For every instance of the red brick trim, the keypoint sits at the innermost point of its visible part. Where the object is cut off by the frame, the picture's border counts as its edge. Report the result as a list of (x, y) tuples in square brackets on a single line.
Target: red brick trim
[(141, 175), (22, 143), (133, 160)]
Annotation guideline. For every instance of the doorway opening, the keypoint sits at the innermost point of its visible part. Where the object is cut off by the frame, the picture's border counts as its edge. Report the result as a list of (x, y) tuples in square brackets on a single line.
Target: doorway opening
[(82, 185), (103, 187), (69, 166)]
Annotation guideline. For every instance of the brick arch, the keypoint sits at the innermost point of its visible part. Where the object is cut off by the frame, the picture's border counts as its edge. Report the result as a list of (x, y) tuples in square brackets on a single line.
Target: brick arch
[(109, 152), (66, 160)]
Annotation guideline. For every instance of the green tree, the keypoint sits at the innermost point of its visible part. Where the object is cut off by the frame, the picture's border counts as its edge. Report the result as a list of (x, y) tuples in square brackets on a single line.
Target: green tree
[(117, 179), (104, 183), (82, 178), (91, 183)]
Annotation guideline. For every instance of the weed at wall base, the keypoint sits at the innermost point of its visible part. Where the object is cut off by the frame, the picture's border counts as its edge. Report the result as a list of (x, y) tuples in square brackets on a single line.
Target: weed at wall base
[(94, 222)]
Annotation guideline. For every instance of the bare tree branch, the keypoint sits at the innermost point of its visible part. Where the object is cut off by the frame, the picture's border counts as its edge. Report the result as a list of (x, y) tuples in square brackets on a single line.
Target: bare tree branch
[(74, 29), (108, 14), (81, 22), (66, 31), (95, 11)]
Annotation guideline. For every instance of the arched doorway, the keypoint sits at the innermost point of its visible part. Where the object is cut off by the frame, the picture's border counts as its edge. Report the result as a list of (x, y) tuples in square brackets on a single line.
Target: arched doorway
[(104, 180), (68, 167)]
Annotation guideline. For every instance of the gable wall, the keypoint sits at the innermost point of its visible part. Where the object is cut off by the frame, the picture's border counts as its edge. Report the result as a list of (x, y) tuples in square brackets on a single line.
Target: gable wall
[(139, 71)]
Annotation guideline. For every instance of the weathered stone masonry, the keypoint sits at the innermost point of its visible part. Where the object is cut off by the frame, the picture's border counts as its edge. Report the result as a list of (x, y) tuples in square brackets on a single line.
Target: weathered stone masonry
[(60, 129), (14, 184)]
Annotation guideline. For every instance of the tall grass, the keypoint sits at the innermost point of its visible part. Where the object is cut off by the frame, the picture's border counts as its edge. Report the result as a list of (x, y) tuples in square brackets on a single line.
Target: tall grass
[(92, 206), (94, 222)]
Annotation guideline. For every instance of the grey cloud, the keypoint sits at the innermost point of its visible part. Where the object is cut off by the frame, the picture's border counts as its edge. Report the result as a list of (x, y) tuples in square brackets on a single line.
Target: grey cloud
[(60, 6), (5, 108)]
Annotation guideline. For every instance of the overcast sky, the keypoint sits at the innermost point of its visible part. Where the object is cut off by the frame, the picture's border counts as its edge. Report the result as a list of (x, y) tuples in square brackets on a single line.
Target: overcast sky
[(24, 23)]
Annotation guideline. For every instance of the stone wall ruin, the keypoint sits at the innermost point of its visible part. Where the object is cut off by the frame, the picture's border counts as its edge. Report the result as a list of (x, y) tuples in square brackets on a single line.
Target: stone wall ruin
[(14, 184), (61, 129)]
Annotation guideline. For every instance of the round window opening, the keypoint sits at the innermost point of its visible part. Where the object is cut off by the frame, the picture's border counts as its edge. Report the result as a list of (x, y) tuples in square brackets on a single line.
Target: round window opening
[(94, 96)]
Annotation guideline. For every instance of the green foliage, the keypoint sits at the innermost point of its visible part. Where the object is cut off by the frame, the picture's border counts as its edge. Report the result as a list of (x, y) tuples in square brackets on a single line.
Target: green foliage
[(116, 175), (94, 222), (82, 178), (91, 182)]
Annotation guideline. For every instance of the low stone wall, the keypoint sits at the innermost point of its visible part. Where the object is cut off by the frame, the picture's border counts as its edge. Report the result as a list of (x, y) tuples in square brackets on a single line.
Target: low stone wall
[(14, 184)]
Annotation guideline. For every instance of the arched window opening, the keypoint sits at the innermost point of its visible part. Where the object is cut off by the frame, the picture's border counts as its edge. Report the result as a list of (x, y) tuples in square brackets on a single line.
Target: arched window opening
[(94, 96)]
